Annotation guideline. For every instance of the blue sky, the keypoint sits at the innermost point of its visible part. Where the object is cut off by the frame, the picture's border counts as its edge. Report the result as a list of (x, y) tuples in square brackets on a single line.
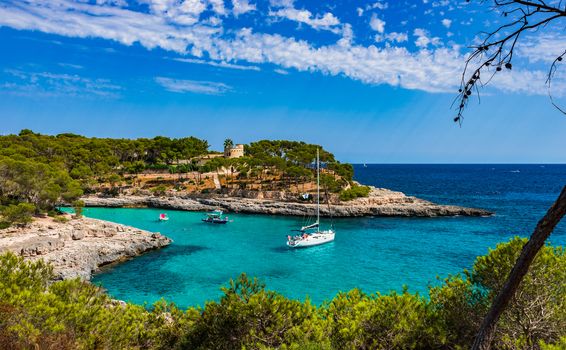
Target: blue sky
[(373, 81)]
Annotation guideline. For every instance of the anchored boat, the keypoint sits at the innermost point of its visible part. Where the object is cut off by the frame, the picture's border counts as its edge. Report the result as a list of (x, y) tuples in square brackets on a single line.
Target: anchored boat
[(215, 217), (311, 235)]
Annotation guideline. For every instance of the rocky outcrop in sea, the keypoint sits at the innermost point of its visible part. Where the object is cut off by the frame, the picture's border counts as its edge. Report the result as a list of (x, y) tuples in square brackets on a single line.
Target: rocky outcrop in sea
[(77, 248), (380, 202)]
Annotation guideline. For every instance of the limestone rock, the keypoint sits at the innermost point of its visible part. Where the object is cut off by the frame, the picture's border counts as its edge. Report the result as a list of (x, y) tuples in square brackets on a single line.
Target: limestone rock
[(380, 202), (39, 246), (77, 235), (79, 247)]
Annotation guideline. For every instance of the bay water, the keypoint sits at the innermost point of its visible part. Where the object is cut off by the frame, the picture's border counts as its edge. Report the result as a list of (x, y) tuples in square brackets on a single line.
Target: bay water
[(373, 254)]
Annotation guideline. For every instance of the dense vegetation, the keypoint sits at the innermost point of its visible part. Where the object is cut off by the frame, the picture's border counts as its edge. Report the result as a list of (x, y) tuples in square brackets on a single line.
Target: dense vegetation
[(294, 161), (44, 170), (84, 158), (354, 192), (73, 314)]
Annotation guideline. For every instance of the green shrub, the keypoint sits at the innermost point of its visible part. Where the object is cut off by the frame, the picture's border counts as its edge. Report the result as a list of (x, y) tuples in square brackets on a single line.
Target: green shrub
[(394, 321), (73, 314), (354, 192), (159, 190), (330, 184), (536, 313), (78, 208), (60, 219), (248, 316), (19, 214), (560, 345)]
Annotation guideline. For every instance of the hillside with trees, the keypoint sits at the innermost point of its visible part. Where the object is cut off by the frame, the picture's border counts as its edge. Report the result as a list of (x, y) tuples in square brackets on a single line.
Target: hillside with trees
[(38, 172)]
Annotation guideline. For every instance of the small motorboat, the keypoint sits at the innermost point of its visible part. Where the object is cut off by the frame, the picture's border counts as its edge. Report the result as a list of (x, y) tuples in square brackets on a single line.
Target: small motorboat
[(215, 217), (163, 217)]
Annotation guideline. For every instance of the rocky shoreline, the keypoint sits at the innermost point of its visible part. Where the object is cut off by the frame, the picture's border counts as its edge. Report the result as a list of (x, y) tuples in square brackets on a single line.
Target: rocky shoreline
[(380, 202), (77, 248)]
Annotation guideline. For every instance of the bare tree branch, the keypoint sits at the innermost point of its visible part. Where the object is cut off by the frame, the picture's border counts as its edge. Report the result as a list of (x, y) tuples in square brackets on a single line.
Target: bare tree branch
[(498, 47)]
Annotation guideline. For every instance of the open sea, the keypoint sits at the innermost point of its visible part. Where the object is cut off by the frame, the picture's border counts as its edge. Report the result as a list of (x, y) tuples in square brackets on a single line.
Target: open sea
[(373, 254)]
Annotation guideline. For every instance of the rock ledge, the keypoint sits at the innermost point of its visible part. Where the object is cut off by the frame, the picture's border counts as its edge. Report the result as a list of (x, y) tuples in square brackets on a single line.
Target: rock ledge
[(79, 247), (381, 202)]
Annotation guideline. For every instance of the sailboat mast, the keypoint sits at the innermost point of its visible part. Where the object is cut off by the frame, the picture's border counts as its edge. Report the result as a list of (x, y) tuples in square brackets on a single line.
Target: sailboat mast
[(317, 187)]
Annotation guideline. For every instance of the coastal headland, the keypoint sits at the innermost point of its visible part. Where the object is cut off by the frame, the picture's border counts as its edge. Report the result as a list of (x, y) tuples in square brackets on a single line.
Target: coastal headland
[(379, 202), (39, 173), (78, 247)]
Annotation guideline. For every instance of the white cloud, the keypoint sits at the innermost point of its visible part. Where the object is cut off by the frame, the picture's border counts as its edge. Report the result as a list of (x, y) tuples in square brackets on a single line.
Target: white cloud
[(70, 65), (378, 5), (19, 82), (193, 86), (220, 64), (327, 21), (282, 3), (431, 71), (529, 82), (217, 6), (393, 37), (281, 71), (542, 48), (377, 24), (446, 22), (122, 3), (440, 3), (185, 12), (424, 39), (431, 67), (347, 36), (241, 7)]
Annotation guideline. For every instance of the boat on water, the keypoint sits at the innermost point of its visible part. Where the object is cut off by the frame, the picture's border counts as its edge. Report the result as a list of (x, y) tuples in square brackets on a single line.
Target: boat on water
[(163, 217), (311, 235), (215, 217)]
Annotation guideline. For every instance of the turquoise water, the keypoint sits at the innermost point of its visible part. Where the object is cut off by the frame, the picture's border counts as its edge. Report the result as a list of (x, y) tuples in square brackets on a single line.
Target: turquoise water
[(374, 254)]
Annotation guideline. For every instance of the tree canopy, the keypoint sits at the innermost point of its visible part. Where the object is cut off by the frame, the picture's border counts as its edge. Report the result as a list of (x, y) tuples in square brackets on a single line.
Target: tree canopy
[(48, 170)]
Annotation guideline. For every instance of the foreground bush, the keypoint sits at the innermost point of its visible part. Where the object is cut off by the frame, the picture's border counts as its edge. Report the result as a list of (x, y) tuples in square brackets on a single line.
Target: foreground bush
[(248, 316), (536, 314), (74, 314)]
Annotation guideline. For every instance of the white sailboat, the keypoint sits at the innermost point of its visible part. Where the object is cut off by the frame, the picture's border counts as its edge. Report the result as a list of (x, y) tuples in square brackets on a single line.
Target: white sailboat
[(311, 235)]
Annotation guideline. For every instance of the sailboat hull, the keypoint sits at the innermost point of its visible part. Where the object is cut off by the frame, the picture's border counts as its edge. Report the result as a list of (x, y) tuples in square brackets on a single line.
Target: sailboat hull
[(311, 240), (318, 237)]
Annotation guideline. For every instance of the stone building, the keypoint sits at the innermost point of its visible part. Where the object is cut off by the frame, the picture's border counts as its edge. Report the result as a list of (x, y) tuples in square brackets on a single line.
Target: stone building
[(236, 151)]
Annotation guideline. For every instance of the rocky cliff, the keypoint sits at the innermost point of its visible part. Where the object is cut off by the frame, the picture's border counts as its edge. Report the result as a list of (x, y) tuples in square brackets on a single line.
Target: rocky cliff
[(380, 202), (79, 247)]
